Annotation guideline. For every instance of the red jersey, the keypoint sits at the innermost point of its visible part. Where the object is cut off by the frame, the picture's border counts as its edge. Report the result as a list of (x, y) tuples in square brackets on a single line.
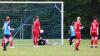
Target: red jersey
[(94, 26), (77, 26), (36, 25)]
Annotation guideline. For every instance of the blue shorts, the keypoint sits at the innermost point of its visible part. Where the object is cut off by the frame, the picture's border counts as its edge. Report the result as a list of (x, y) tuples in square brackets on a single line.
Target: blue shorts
[(71, 37), (7, 36)]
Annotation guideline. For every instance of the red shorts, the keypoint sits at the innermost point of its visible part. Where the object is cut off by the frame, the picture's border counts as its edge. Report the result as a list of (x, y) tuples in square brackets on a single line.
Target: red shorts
[(94, 34), (78, 35)]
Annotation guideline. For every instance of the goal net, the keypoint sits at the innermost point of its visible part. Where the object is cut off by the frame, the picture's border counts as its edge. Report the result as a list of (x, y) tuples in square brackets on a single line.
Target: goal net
[(22, 16)]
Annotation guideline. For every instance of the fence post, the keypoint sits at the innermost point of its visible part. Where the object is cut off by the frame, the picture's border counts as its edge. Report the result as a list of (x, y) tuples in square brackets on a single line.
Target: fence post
[(22, 31), (21, 28)]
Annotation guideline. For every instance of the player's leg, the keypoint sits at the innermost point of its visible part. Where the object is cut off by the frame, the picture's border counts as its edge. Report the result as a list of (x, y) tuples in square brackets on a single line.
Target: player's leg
[(11, 42), (5, 44), (70, 40), (96, 41), (2, 44), (35, 42), (73, 41), (77, 44), (35, 36), (78, 40), (6, 41), (92, 39), (92, 42)]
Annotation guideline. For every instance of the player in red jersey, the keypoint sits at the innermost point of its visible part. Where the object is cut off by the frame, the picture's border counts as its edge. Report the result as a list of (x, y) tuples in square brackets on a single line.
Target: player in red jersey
[(36, 31), (11, 42), (94, 32), (78, 27)]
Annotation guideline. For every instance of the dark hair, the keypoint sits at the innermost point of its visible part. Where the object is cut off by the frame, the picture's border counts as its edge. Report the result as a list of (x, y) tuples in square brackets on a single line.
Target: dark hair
[(36, 17)]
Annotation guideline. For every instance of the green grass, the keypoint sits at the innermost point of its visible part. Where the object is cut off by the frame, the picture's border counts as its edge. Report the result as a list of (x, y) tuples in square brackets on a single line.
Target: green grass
[(25, 48)]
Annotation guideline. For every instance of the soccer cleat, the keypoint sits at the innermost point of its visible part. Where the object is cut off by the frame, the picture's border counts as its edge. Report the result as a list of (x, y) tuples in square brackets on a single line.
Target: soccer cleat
[(12, 47), (4, 49), (34, 46), (37, 46), (96, 46), (76, 49), (91, 46)]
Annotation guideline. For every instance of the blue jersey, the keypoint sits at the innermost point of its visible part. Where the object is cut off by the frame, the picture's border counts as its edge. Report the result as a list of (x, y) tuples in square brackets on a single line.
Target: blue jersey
[(72, 30), (6, 29)]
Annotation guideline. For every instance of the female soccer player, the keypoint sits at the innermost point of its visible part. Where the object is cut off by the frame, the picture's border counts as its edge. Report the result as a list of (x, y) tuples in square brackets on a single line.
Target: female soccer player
[(78, 27), (72, 34), (94, 32), (6, 29), (36, 31)]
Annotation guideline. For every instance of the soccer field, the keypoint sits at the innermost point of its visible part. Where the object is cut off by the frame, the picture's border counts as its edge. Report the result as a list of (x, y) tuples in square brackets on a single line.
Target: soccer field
[(25, 48)]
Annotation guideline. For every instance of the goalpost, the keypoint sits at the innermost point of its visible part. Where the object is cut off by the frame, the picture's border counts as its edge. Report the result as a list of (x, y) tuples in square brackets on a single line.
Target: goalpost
[(57, 9)]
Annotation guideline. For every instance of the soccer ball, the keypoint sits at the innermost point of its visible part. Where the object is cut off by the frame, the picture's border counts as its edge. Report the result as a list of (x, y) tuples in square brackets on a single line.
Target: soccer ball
[(41, 31)]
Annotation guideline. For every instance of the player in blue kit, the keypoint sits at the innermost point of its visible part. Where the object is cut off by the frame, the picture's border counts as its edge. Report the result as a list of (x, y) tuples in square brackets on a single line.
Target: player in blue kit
[(6, 30), (72, 34)]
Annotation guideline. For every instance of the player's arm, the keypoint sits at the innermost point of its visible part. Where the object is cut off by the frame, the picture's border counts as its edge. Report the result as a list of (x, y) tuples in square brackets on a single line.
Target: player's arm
[(3, 28), (98, 29), (81, 27), (90, 29), (9, 25), (11, 28), (33, 27)]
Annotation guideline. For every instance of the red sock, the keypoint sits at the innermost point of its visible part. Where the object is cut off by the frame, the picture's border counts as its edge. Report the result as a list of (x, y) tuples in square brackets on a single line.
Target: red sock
[(34, 41), (77, 44), (2, 43), (92, 41), (11, 43), (96, 41)]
